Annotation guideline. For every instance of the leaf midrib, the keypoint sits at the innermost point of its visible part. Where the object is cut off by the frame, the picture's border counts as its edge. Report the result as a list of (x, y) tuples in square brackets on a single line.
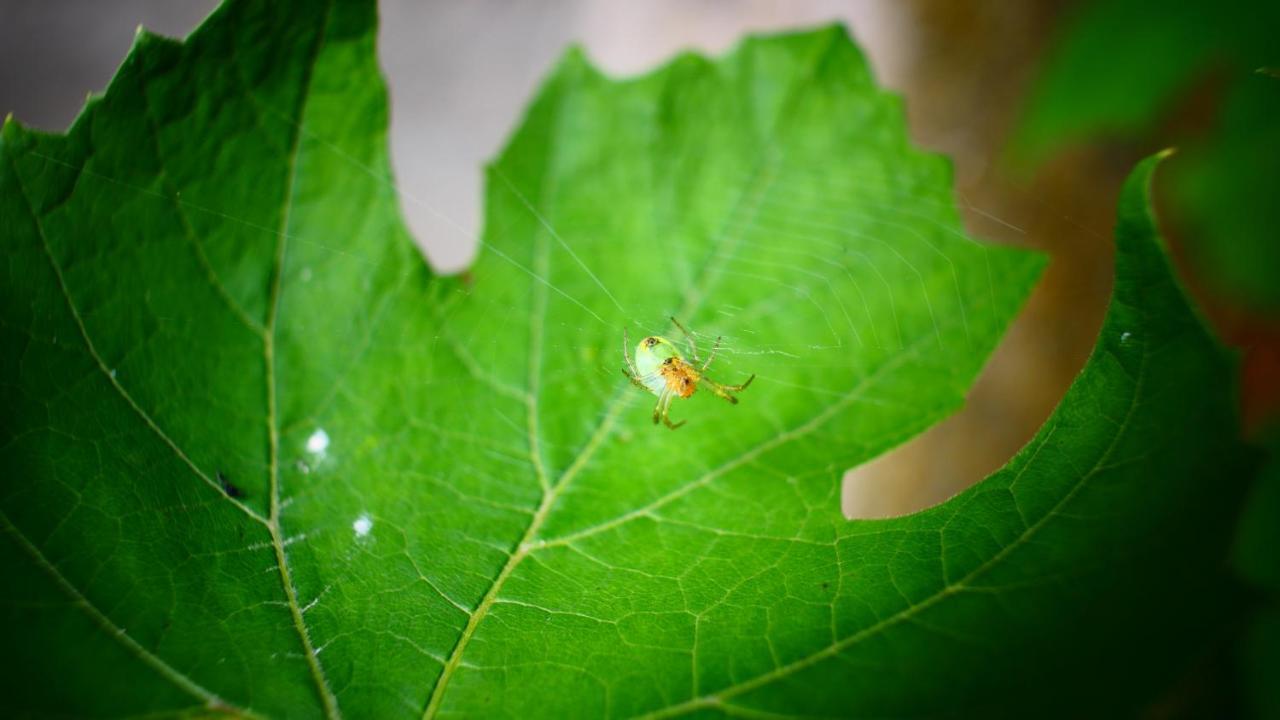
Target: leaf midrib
[(327, 698), (693, 298)]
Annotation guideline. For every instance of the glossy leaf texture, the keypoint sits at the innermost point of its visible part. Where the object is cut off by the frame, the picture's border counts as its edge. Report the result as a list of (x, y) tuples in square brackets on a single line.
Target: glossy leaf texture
[(258, 459)]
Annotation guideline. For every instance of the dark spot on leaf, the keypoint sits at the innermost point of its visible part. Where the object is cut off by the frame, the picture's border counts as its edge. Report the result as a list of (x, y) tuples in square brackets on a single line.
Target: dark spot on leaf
[(228, 487)]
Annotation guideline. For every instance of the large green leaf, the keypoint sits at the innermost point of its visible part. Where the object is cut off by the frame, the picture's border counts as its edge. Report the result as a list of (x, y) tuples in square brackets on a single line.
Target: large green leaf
[(258, 459)]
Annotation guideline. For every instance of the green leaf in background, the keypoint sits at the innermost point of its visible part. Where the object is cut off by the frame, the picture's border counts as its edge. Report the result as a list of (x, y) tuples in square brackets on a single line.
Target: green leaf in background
[(258, 459), (1119, 67), (1225, 195)]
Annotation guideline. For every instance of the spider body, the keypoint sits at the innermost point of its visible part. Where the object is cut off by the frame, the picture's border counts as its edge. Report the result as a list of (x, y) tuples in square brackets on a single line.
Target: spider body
[(661, 369), (681, 377)]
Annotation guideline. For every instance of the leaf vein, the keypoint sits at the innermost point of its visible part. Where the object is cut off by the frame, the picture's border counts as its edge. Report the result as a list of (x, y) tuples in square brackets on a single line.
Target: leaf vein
[(106, 372), (946, 591), (311, 654), (155, 662)]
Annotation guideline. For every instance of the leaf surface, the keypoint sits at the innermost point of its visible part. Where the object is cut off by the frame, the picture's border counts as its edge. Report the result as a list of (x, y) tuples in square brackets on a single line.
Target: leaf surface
[(259, 459)]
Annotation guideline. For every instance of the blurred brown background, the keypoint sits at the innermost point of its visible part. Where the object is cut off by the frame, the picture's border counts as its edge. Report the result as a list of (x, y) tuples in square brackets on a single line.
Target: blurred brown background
[(460, 73)]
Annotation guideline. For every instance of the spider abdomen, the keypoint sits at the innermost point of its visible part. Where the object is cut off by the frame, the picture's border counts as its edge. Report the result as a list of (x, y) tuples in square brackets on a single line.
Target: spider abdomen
[(681, 377)]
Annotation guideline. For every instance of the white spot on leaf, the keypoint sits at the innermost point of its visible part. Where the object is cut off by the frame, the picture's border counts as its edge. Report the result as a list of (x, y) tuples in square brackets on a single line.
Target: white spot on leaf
[(318, 442), (363, 525)]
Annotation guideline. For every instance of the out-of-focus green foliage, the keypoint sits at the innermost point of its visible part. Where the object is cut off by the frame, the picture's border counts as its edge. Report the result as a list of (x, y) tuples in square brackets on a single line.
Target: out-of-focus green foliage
[(1117, 70), (257, 459), (1117, 65), (1258, 559), (1256, 555), (1226, 193)]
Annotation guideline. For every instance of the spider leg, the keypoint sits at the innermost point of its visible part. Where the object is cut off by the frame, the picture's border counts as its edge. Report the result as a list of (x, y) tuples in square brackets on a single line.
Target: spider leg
[(658, 410), (726, 391), (714, 349), (630, 370), (720, 391), (693, 344), (635, 381), (626, 353), (666, 412)]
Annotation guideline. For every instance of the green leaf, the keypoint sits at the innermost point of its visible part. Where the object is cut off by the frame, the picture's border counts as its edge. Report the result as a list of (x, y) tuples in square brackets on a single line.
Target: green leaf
[(258, 459)]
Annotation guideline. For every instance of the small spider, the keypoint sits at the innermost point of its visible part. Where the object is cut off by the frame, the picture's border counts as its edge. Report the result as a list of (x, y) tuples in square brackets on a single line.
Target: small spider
[(660, 369)]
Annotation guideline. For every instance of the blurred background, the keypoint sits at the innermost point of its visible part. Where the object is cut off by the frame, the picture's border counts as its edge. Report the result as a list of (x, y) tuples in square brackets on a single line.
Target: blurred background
[(1044, 108)]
